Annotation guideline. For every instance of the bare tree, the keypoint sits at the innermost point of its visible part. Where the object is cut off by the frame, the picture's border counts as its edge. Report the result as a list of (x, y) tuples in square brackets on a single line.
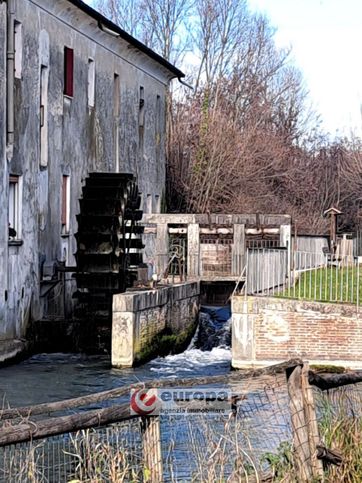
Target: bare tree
[(161, 24), (244, 140), (220, 29), (128, 14)]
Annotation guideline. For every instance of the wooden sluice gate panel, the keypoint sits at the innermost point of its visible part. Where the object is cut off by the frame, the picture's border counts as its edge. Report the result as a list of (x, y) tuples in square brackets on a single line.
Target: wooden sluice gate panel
[(216, 256)]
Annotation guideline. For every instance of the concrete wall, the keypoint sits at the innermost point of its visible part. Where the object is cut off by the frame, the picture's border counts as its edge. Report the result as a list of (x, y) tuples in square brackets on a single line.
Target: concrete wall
[(310, 244), (80, 139), (3, 175), (266, 330), (138, 317)]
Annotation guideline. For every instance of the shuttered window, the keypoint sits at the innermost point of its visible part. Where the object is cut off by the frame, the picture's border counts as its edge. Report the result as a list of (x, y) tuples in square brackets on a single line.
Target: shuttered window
[(68, 71)]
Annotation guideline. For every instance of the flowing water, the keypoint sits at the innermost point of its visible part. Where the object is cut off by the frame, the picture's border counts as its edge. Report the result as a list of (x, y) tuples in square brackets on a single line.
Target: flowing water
[(259, 427), (52, 377)]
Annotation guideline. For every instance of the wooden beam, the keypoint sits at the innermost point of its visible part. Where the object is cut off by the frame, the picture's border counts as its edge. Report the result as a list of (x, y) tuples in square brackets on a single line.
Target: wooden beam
[(151, 447), (50, 427), (312, 424), (330, 381), (304, 425), (302, 456)]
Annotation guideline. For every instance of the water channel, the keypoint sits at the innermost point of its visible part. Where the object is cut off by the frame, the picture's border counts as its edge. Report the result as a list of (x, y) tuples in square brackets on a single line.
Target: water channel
[(259, 427), (53, 377)]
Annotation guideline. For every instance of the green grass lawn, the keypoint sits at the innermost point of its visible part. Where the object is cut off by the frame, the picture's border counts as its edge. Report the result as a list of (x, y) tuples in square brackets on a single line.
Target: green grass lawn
[(328, 284)]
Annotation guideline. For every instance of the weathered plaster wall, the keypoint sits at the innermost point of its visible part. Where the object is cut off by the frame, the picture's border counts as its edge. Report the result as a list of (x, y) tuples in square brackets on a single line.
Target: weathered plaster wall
[(265, 330), (140, 316), (3, 176), (80, 140)]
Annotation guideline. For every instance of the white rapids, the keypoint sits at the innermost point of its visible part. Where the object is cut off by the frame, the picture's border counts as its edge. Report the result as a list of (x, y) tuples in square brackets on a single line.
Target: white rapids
[(207, 354)]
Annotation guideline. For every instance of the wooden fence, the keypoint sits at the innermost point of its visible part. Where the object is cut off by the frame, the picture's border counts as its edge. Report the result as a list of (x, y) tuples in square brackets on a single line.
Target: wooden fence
[(270, 431)]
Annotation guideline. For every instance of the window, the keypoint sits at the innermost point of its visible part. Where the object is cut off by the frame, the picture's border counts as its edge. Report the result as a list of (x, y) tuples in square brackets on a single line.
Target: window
[(65, 214), (116, 95), (18, 43), (149, 204), (141, 122), (157, 204), (68, 71), (142, 107), (116, 111), (91, 82), (44, 116), (158, 129), (14, 207)]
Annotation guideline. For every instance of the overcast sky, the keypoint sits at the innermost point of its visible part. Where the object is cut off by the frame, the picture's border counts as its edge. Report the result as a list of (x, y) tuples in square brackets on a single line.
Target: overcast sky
[(326, 38)]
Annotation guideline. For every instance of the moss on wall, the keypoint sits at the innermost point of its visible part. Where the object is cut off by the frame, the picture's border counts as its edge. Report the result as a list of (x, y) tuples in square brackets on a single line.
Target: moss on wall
[(166, 343)]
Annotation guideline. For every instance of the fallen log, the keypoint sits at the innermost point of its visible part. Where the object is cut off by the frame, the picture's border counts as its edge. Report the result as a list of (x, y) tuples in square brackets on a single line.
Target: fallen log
[(50, 427), (330, 381), (83, 401)]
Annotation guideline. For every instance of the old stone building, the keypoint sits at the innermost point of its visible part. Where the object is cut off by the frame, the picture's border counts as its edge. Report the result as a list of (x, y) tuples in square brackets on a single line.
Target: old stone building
[(77, 95)]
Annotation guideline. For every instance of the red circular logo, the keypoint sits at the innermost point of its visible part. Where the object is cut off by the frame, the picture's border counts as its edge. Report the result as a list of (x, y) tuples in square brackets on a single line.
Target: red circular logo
[(144, 401)]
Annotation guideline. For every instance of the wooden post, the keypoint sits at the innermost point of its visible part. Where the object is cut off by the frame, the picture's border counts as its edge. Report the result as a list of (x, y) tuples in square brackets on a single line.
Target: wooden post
[(312, 424), (238, 250), (151, 445), (304, 425)]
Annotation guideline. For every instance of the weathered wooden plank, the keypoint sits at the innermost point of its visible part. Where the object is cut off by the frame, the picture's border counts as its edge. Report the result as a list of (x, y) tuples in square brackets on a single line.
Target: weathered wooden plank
[(151, 447), (50, 427), (312, 424), (302, 456)]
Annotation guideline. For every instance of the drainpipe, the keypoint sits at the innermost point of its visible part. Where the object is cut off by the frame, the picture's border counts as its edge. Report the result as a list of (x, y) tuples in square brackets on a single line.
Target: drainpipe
[(10, 70)]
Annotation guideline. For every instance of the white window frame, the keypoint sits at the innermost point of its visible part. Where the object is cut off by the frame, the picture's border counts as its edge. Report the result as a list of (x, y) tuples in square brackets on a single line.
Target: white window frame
[(65, 227), (18, 44), (43, 115), (149, 204), (91, 82), (15, 204)]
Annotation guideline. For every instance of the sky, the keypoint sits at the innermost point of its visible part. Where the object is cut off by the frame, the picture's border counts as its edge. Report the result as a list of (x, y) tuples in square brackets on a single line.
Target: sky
[(326, 41)]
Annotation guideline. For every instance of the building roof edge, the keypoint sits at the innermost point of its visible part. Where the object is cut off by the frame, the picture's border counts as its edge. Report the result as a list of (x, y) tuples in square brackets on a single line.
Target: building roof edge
[(127, 37)]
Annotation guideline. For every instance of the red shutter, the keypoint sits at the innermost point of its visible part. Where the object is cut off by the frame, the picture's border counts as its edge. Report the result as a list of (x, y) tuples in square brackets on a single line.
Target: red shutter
[(68, 71)]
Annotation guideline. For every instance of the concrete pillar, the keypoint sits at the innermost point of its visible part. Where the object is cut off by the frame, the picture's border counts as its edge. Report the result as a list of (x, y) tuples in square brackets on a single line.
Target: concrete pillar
[(161, 248), (242, 329), (286, 241), (193, 250), (285, 235), (238, 250), (123, 326)]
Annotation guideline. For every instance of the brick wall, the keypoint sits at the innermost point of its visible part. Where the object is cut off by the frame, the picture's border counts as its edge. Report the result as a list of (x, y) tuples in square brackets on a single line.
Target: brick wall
[(267, 329)]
